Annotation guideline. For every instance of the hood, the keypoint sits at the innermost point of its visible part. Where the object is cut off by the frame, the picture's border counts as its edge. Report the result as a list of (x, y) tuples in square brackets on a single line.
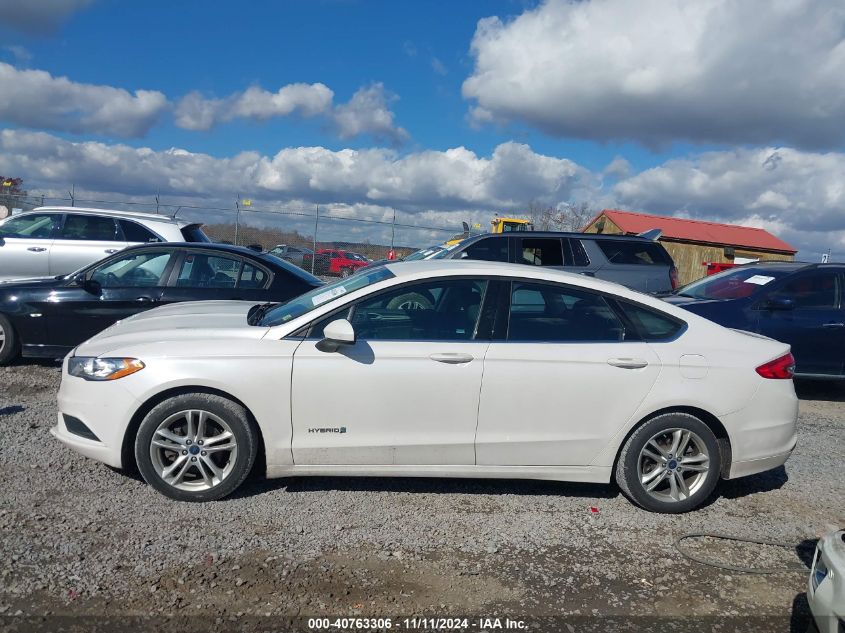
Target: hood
[(32, 282), (177, 322)]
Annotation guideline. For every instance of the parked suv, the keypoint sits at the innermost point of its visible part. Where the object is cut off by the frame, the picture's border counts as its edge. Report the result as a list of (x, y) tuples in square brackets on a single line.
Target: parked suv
[(637, 262), (50, 241)]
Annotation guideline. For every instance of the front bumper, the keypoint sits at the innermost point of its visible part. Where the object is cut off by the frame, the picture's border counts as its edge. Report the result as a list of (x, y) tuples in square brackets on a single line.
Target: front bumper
[(827, 600), (104, 407)]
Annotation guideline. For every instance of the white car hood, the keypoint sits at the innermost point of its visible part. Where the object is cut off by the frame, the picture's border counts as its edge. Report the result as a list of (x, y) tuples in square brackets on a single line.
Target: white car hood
[(177, 322)]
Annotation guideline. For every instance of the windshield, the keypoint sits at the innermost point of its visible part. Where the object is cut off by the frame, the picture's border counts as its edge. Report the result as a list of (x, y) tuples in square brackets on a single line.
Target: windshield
[(303, 304), (735, 283), (445, 252)]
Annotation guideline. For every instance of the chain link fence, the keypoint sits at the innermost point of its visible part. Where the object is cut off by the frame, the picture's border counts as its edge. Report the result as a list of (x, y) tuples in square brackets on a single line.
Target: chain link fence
[(249, 223)]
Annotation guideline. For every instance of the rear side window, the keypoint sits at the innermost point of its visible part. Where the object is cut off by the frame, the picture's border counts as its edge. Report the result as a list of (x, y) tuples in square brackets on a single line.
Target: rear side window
[(651, 325), (208, 271), (491, 249), (193, 233), (134, 232), (89, 227), (540, 251), (546, 312), (634, 252)]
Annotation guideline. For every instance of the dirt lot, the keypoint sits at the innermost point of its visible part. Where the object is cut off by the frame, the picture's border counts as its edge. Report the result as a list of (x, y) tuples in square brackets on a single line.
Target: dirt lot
[(84, 546)]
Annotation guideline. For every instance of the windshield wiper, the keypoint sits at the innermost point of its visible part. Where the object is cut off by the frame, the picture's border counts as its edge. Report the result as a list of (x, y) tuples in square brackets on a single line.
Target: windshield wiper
[(257, 312)]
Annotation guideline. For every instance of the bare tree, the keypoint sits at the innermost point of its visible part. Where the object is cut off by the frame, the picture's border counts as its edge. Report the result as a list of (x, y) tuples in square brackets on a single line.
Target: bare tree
[(564, 217)]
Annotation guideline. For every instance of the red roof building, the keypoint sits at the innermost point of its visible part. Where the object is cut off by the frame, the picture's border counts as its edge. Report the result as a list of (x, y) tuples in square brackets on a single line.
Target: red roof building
[(694, 243)]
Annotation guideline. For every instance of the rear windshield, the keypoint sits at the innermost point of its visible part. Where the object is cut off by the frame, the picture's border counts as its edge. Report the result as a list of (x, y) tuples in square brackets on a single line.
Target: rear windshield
[(303, 304), (634, 252), (193, 233), (735, 283)]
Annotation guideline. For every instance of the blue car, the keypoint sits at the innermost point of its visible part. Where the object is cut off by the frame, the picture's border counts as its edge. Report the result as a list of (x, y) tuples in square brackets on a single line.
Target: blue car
[(796, 303)]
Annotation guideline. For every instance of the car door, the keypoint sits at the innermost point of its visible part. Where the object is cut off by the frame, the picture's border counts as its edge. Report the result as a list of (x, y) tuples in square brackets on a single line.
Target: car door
[(406, 392), (82, 240), (806, 311), (25, 243), (563, 382), (206, 276), (119, 287)]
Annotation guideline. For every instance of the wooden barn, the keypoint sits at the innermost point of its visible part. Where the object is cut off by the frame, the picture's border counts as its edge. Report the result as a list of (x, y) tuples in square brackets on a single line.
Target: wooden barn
[(693, 243)]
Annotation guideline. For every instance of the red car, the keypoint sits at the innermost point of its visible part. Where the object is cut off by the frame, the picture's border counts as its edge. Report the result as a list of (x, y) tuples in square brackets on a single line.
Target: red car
[(328, 261)]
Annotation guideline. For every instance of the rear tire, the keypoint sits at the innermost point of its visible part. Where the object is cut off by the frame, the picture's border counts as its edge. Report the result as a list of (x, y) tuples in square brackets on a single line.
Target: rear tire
[(170, 447), (345, 272), (10, 345), (671, 464)]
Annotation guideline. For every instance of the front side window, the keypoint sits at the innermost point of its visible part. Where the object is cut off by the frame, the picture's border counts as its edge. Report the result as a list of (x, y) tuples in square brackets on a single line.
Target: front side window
[(32, 226), (491, 249), (208, 271), (89, 227), (435, 310), (817, 291), (550, 312), (540, 251), (640, 252), (137, 270)]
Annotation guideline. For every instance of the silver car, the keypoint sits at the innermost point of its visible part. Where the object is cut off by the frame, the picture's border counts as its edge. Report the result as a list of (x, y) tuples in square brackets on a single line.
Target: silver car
[(50, 241)]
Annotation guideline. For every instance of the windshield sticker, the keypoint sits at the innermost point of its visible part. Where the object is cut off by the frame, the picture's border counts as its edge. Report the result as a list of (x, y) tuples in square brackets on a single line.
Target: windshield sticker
[(328, 295), (760, 280)]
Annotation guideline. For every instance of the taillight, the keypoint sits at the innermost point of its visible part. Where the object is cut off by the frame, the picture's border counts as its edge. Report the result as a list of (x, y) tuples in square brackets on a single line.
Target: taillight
[(673, 277), (782, 368)]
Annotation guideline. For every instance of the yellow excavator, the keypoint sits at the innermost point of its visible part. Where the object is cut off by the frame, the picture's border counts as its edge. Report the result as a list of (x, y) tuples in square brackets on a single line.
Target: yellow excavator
[(498, 225)]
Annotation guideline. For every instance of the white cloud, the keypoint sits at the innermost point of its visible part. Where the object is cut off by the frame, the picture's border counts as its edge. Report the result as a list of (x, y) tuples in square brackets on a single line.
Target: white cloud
[(439, 67), (367, 112), (35, 98), (443, 181), (656, 71), (194, 112), (38, 17)]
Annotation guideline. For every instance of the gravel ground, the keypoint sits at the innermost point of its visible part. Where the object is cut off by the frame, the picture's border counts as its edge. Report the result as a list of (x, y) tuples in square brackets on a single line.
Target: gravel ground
[(79, 539)]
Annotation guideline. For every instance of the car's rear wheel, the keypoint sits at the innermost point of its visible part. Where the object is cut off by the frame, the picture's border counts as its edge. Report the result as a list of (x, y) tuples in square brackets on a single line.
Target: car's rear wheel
[(9, 342), (670, 464), (196, 447), (345, 272)]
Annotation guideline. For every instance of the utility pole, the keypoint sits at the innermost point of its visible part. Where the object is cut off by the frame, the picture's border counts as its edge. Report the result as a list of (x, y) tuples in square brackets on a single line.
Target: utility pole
[(157, 200), (316, 224), (72, 196), (393, 229), (237, 218)]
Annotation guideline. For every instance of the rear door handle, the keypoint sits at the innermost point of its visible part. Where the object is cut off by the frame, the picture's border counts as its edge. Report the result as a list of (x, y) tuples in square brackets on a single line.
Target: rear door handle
[(111, 250), (831, 325), (452, 358), (36, 249), (628, 363)]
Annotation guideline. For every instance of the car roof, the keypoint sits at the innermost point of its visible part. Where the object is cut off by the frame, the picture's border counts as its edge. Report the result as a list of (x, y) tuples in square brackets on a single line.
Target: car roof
[(587, 236), (131, 215)]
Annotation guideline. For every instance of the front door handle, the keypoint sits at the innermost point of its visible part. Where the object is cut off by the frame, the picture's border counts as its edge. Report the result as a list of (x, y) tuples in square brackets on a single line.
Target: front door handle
[(832, 325), (144, 299), (111, 250), (628, 363), (452, 359), (36, 249)]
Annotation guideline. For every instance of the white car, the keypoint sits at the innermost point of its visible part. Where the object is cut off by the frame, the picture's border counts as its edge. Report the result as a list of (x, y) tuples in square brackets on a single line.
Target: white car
[(51, 241), (445, 369), (826, 591)]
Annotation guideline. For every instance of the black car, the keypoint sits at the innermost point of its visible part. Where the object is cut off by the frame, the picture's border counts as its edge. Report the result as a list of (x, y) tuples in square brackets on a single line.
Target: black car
[(48, 317), (792, 302)]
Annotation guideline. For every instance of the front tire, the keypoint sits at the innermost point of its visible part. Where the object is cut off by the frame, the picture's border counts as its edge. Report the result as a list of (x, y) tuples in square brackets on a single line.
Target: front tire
[(196, 447), (10, 345), (671, 464)]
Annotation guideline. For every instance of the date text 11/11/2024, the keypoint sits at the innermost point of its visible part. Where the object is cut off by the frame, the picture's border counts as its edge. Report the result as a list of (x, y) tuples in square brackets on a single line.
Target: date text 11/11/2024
[(417, 623)]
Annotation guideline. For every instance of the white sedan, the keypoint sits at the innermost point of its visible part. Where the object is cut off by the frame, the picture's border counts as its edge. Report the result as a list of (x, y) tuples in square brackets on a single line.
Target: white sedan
[(434, 369)]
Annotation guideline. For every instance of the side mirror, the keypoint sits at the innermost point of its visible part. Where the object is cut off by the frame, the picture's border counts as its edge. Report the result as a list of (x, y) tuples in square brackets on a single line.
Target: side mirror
[(779, 303), (335, 334), (88, 285)]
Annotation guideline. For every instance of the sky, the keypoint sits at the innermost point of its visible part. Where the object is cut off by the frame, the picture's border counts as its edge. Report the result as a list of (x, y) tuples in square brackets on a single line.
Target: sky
[(722, 110)]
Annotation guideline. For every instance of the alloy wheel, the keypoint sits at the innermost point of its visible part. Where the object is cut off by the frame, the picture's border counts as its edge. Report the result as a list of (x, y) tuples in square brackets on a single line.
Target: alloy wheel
[(673, 465), (193, 450), (2, 337)]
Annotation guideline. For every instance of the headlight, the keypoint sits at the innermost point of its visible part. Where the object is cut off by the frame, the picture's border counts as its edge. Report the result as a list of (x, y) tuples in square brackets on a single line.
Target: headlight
[(92, 368), (820, 571)]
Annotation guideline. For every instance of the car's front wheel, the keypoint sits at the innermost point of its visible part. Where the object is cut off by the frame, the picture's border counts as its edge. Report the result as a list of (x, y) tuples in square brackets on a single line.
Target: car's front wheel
[(9, 343), (670, 464), (196, 447)]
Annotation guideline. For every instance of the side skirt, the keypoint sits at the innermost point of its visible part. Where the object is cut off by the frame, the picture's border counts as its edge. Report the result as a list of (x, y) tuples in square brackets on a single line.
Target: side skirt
[(44, 351), (587, 474)]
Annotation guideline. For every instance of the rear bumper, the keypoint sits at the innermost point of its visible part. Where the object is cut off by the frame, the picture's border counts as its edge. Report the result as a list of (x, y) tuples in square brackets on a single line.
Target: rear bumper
[(754, 466)]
